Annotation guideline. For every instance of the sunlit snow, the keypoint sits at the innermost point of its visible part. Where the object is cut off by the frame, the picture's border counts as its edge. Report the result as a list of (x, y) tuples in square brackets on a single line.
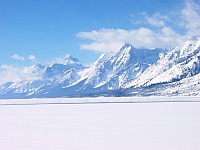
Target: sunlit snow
[(145, 125)]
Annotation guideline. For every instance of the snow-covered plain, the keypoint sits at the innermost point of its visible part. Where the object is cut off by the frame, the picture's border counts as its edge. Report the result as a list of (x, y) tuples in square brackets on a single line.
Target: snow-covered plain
[(137, 124)]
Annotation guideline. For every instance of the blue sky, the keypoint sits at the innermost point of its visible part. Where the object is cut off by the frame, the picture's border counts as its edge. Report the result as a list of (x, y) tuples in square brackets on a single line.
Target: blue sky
[(42, 31)]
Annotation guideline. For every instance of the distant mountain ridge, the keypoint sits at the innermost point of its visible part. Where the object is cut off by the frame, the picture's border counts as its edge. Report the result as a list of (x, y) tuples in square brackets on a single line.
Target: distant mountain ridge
[(50, 76), (128, 72), (124, 65)]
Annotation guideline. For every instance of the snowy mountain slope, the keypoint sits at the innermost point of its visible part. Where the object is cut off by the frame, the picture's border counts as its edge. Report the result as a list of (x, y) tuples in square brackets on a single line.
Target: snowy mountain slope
[(124, 65), (70, 77), (129, 72), (50, 76), (109, 72), (58, 69), (189, 86), (93, 71), (180, 63), (58, 76), (138, 61), (20, 89)]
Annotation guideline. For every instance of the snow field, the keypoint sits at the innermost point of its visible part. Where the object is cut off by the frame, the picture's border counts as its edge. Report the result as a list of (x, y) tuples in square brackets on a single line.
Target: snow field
[(103, 126)]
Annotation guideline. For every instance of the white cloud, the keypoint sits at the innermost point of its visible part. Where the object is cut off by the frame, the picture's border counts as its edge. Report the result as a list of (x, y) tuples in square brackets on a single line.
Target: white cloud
[(104, 47), (104, 35), (10, 73), (157, 19), (159, 33), (17, 57), (191, 16), (32, 57), (110, 40), (21, 58)]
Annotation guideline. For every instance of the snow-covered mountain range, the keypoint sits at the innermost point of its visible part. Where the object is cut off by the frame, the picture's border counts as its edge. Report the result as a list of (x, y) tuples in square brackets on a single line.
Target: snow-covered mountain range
[(176, 73), (128, 72)]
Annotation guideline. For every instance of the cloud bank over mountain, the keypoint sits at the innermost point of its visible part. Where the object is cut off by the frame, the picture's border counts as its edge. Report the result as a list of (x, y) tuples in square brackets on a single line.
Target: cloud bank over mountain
[(160, 32)]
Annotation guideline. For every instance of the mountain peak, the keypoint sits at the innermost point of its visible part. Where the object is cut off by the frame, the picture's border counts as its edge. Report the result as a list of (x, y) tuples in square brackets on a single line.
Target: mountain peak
[(71, 60), (194, 38), (125, 49), (69, 56), (39, 66), (126, 45)]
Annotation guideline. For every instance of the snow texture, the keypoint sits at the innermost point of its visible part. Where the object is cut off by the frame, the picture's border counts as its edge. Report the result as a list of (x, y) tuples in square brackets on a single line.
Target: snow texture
[(128, 126), (182, 62)]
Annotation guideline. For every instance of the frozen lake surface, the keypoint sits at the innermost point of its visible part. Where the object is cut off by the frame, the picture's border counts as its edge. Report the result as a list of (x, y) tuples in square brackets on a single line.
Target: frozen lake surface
[(45, 124)]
